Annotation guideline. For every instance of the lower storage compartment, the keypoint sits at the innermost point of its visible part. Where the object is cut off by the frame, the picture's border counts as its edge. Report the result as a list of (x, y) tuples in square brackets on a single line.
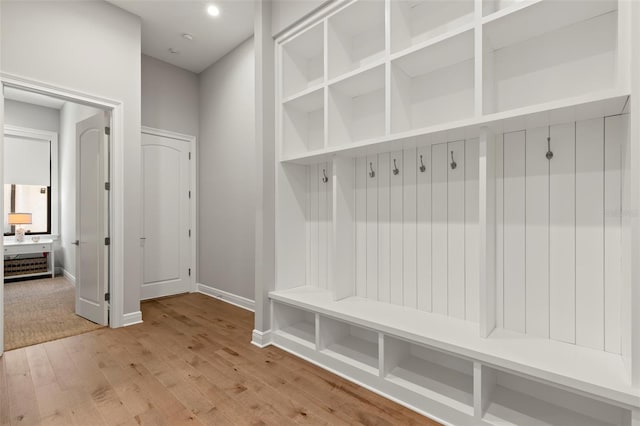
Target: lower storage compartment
[(438, 376), (26, 265), (514, 400), (350, 344), (295, 324)]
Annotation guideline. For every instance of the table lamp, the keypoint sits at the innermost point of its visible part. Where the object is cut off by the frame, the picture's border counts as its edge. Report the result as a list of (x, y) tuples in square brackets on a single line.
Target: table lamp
[(19, 219)]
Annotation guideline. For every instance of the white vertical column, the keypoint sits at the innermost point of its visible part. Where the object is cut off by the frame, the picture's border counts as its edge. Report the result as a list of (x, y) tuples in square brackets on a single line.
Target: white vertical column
[(590, 233), (361, 225), (383, 227), (324, 219), (499, 231), (313, 226), (343, 228), (455, 229), (562, 233), (423, 234), (471, 230), (537, 232), (395, 230), (439, 166), (409, 229), (484, 384), (372, 228), (487, 232)]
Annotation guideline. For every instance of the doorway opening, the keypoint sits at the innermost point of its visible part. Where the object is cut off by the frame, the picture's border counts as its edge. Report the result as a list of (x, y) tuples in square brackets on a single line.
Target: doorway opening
[(56, 217)]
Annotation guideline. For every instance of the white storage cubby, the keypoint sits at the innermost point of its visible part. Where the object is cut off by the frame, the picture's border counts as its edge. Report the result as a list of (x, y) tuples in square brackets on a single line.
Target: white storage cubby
[(295, 324), (303, 123), (356, 37), (303, 62), (350, 344), (515, 400), (569, 52), (454, 204), (416, 21), (433, 85), (435, 375), (357, 108)]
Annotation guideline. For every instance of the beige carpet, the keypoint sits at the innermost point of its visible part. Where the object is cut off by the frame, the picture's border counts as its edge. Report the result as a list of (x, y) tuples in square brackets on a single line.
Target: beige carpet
[(37, 311)]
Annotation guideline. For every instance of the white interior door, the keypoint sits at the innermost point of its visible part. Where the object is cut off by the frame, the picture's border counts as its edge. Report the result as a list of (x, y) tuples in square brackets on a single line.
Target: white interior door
[(92, 219), (166, 221)]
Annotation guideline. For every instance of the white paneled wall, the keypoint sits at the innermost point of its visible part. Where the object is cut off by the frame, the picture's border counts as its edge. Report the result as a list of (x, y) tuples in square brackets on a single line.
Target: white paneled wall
[(319, 213), (558, 231), (417, 232)]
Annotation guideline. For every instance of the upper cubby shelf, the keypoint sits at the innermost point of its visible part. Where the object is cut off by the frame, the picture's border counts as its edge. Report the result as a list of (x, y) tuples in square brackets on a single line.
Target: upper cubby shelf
[(415, 21), (303, 62), (356, 37), (303, 123)]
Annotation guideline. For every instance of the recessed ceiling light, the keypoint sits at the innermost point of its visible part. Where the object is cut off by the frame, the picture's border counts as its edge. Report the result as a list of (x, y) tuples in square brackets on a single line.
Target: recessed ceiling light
[(213, 10), (187, 36), (174, 51)]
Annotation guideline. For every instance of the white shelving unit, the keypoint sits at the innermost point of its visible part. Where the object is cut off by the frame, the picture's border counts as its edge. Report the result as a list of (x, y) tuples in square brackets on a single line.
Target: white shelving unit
[(453, 203)]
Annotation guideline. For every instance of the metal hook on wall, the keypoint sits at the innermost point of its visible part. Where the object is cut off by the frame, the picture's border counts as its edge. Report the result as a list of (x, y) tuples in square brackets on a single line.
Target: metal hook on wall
[(549, 152), (325, 179), (372, 173), (395, 167), (422, 166), (453, 162)]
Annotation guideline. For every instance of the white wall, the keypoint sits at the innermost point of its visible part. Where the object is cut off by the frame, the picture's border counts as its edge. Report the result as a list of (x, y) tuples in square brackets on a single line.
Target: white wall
[(32, 116), (169, 97), (90, 47), (227, 175), (70, 115), (286, 12)]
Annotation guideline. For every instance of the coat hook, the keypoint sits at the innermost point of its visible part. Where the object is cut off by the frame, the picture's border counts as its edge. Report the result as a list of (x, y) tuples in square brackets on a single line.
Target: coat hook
[(372, 174), (325, 179), (422, 166), (453, 162), (549, 152), (395, 167)]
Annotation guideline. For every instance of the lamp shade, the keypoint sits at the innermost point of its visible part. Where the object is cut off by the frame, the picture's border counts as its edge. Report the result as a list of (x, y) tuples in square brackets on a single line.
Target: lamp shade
[(19, 218)]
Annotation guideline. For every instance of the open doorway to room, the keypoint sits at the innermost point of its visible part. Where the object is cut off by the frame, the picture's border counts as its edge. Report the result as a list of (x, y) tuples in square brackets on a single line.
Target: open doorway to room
[(56, 213)]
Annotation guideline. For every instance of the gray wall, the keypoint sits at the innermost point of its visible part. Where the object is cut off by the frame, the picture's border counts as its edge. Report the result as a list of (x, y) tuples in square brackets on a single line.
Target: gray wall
[(92, 47), (227, 187), (169, 97), (32, 116)]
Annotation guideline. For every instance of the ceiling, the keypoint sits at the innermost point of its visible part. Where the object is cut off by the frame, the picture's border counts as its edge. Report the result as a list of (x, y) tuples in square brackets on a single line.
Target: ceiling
[(32, 98), (165, 21)]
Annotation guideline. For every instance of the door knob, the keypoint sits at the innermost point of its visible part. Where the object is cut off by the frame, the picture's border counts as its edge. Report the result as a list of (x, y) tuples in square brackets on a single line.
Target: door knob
[(76, 243)]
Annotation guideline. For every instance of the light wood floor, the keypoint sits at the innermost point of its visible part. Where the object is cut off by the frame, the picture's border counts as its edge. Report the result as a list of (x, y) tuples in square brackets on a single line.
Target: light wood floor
[(190, 362)]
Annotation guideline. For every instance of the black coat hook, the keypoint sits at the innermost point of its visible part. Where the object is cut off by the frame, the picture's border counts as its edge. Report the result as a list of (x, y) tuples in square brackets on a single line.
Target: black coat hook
[(549, 152), (395, 167), (325, 179), (453, 162), (372, 174), (422, 166)]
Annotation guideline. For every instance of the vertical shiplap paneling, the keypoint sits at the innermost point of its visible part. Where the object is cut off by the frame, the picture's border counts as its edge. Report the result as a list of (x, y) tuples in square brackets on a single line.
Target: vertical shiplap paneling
[(472, 230), (423, 206), (562, 233), (537, 232), (409, 229), (324, 218), (361, 227), (313, 226), (439, 167), (455, 230), (395, 230), (383, 227), (514, 231), (615, 133), (372, 228), (499, 231), (590, 233)]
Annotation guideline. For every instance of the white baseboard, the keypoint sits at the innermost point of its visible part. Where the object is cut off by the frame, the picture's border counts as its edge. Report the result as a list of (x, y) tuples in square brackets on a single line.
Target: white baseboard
[(241, 302), (261, 339), (68, 276), (132, 318)]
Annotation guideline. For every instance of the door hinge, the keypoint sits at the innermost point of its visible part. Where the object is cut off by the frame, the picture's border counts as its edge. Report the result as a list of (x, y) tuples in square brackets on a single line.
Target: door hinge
[(189, 194), (189, 155), (107, 131), (107, 241), (107, 297), (189, 233), (189, 271), (107, 186)]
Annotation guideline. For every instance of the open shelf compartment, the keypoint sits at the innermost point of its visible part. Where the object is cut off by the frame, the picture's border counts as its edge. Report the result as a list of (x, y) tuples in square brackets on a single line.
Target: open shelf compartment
[(303, 62), (433, 85), (515, 400), (303, 123), (353, 345), (356, 37), (357, 107), (295, 324), (438, 376), (569, 51), (416, 21)]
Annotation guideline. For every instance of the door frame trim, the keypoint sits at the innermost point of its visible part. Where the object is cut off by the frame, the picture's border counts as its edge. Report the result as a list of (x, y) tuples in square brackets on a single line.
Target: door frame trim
[(116, 213), (193, 184)]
